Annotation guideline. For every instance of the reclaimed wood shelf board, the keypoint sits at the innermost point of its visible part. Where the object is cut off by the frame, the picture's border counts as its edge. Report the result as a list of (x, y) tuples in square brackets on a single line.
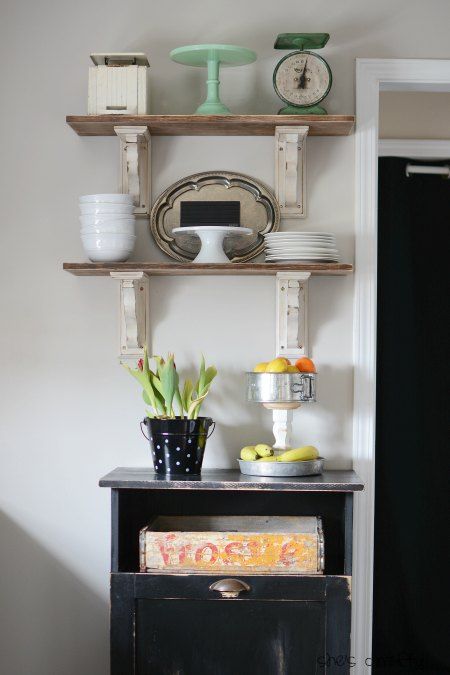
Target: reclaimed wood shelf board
[(212, 125), (231, 479), (180, 269)]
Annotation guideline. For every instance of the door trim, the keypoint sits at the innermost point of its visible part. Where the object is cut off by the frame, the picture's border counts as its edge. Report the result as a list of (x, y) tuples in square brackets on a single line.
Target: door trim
[(372, 75)]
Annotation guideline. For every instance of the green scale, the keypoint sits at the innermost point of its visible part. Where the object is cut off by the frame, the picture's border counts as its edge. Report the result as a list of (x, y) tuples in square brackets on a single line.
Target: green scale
[(302, 79)]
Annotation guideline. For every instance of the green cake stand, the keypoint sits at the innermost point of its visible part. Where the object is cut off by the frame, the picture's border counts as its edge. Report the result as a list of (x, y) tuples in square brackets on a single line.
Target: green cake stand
[(212, 56)]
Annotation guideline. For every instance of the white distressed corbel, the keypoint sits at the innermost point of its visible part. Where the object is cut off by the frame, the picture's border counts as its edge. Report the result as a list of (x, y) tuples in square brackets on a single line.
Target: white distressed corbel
[(133, 305), (290, 170), (135, 156), (292, 314)]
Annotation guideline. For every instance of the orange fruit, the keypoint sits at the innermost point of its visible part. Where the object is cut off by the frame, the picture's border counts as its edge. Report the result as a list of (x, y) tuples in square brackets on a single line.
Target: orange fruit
[(288, 363), (306, 365)]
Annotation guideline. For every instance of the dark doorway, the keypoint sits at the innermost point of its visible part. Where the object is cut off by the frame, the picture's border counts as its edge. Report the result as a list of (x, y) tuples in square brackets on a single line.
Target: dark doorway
[(411, 632)]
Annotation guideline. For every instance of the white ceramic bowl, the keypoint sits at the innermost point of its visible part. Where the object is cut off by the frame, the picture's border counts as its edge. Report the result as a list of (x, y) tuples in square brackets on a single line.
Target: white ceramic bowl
[(116, 198), (97, 208), (109, 247), (119, 227), (106, 219), (110, 238), (107, 254)]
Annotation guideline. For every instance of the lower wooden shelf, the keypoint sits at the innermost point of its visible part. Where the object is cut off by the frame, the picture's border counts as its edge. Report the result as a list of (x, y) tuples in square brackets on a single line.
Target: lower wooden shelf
[(167, 269)]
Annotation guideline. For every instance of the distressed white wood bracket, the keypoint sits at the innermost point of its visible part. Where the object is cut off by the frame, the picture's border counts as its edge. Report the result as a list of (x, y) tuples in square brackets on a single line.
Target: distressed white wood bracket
[(292, 314), (133, 304), (290, 170), (135, 160)]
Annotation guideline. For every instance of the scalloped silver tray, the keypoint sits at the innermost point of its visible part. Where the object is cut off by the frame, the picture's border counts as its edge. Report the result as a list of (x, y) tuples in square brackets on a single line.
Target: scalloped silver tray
[(259, 211), (310, 467)]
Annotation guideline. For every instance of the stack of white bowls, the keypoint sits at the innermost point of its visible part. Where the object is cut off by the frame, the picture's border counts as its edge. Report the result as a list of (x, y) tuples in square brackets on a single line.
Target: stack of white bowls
[(107, 227)]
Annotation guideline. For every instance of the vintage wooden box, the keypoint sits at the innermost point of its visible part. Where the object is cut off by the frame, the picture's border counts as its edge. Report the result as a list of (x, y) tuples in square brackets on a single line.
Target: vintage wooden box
[(233, 544), (118, 84)]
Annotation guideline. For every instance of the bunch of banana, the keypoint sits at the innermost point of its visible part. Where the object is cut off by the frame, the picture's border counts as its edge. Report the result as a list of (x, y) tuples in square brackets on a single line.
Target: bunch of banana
[(264, 453)]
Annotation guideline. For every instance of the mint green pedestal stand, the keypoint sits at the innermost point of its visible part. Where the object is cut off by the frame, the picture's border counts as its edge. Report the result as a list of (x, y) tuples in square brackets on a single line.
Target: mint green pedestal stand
[(212, 56)]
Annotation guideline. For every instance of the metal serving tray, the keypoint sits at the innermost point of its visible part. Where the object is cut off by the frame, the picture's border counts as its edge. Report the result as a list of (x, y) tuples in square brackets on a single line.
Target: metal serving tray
[(310, 467), (281, 387)]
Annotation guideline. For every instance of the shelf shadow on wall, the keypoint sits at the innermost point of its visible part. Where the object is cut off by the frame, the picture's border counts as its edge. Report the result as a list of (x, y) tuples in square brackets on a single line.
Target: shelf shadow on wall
[(51, 621)]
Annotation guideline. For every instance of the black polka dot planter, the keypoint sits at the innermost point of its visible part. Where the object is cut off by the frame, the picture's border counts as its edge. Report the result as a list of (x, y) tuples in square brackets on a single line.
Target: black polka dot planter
[(177, 446)]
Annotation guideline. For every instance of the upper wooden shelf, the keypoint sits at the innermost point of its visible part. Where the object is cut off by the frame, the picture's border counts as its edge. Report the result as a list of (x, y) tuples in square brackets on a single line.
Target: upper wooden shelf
[(180, 269), (211, 125)]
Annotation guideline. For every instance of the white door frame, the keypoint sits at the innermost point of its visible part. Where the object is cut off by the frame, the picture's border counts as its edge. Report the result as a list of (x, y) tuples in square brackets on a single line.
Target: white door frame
[(372, 76)]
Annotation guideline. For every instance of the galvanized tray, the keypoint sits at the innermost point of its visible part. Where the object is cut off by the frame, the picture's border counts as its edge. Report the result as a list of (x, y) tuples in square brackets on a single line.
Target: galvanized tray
[(310, 467)]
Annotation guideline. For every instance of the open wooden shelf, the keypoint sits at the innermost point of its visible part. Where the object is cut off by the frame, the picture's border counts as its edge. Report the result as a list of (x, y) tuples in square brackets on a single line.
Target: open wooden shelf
[(180, 269), (211, 125)]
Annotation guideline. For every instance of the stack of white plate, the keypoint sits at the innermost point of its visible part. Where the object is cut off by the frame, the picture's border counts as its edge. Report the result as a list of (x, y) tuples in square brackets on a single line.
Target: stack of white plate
[(301, 247), (107, 227)]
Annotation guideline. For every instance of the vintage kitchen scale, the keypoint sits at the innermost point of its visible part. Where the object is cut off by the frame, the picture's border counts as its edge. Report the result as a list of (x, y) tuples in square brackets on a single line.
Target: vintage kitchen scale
[(302, 79), (282, 393)]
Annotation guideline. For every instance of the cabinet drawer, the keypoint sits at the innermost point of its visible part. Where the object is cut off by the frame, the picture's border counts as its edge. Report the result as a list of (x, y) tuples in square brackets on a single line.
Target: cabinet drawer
[(177, 624)]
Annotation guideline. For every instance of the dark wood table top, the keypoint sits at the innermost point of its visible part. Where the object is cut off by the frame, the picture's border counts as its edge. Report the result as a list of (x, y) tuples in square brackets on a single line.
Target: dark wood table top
[(230, 479)]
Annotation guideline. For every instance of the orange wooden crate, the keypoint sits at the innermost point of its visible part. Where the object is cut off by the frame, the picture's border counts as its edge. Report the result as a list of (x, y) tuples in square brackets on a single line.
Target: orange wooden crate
[(233, 544)]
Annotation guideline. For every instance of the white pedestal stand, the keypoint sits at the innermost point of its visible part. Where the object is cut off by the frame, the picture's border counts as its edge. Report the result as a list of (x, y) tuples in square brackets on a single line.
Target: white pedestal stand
[(212, 238), (282, 423)]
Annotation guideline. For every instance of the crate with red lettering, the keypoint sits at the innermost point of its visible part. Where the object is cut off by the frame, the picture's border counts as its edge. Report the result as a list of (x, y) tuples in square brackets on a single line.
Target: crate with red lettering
[(233, 544)]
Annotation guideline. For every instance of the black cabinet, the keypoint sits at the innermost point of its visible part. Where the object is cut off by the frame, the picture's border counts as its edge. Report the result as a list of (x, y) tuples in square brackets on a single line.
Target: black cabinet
[(176, 624)]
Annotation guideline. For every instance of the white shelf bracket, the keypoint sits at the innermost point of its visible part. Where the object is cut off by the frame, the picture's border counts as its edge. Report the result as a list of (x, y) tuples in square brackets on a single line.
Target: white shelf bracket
[(135, 174), (133, 304), (290, 170), (292, 314)]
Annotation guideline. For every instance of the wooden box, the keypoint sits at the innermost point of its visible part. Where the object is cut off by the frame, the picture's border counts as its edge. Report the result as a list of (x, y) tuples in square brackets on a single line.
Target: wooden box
[(118, 84), (233, 544)]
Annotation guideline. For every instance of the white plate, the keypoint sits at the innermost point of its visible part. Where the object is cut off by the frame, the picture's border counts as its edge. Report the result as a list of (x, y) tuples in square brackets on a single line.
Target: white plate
[(335, 254), (300, 242), (276, 258), (301, 253), (299, 234), (298, 248), (271, 240)]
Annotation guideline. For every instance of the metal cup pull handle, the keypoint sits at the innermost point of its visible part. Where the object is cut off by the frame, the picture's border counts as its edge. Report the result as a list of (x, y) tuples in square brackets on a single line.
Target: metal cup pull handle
[(297, 388), (229, 588)]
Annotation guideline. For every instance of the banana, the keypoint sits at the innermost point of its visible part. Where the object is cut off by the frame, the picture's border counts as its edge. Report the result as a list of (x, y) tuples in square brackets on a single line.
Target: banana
[(263, 450), (267, 459), (299, 454)]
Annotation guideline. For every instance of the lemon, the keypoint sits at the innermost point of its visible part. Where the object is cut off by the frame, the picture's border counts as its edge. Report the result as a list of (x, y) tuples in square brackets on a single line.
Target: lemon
[(249, 453), (292, 369), (260, 367), (277, 366), (263, 450)]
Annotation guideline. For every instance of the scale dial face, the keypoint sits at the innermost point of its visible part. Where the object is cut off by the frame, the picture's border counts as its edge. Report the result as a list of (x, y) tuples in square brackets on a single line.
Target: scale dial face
[(302, 79)]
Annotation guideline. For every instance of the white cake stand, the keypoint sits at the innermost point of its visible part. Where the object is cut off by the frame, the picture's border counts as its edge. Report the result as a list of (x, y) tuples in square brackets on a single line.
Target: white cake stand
[(212, 238)]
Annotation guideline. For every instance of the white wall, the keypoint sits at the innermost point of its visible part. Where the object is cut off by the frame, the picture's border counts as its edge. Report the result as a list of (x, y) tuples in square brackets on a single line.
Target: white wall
[(68, 411), (414, 114)]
